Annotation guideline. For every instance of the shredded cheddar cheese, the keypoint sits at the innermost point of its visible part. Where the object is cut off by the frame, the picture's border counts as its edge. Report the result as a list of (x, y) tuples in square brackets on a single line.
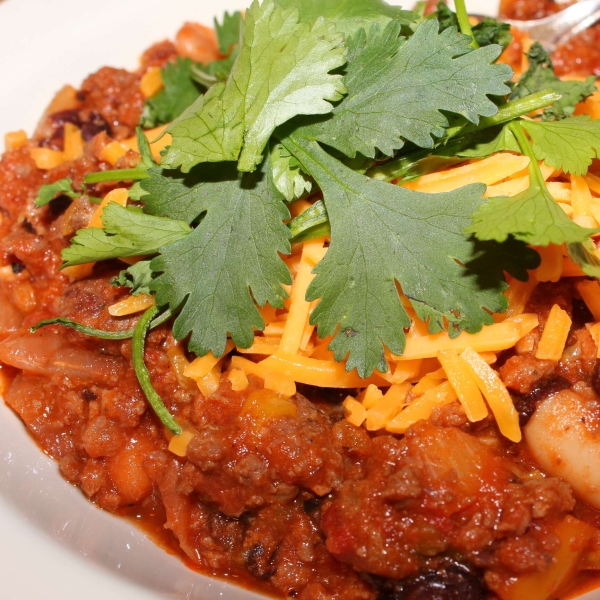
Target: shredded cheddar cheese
[(464, 385), (238, 379), (131, 305), (151, 82), (495, 393), (422, 407), (555, 334), (13, 140), (179, 443), (590, 293)]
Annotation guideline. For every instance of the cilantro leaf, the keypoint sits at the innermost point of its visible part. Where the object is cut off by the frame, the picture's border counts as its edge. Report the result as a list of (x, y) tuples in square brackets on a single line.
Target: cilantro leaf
[(229, 262), (48, 192), (127, 232), (215, 72), (540, 76), (398, 235), (350, 15), (138, 277), (486, 32), (532, 216), (568, 145), (481, 144), (397, 89), (288, 177), (585, 256), (228, 32), (489, 31), (282, 71), (170, 193), (179, 91)]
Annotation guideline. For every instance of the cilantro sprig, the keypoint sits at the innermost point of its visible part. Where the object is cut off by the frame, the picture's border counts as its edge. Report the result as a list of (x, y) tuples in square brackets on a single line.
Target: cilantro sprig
[(340, 98), (356, 282), (283, 69)]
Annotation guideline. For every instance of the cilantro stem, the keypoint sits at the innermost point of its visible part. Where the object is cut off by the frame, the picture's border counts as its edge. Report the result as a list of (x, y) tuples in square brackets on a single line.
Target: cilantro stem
[(117, 175), (536, 179), (142, 373), (514, 109), (398, 168), (463, 21), (310, 224), (100, 333)]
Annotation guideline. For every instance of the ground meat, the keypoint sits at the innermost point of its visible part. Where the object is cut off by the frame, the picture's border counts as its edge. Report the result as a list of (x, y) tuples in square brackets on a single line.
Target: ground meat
[(115, 95), (524, 373), (257, 448), (420, 499)]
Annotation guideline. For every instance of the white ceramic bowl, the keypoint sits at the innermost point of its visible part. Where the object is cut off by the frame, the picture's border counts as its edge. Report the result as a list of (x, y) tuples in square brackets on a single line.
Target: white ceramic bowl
[(53, 542)]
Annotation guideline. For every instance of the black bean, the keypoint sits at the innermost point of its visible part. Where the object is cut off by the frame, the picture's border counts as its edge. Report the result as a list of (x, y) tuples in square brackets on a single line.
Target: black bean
[(315, 394), (258, 564), (309, 506), (17, 267), (66, 116), (596, 378), (526, 405), (93, 125), (581, 314), (28, 227), (59, 205), (88, 395), (454, 582)]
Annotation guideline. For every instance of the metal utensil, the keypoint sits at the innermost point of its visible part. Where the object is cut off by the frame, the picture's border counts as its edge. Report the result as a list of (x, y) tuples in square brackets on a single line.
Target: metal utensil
[(556, 29)]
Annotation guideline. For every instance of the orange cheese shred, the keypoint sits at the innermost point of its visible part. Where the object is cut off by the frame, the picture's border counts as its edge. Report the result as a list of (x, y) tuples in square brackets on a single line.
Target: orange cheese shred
[(46, 159), (73, 142), (370, 396), (131, 305), (590, 292), (322, 373), (555, 334), (15, 139), (551, 267), (151, 82), (489, 171), (495, 393), (118, 195), (387, 407), (422, 407), (297, 318), (179, 443), (238, 379), (112, 152), (460, 378), (356, 413), (492, 338), (201, 366), (595, 333)]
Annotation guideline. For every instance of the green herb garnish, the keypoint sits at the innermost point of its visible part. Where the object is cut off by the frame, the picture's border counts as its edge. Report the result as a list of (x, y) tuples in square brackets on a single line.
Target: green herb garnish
[(340, 98)]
